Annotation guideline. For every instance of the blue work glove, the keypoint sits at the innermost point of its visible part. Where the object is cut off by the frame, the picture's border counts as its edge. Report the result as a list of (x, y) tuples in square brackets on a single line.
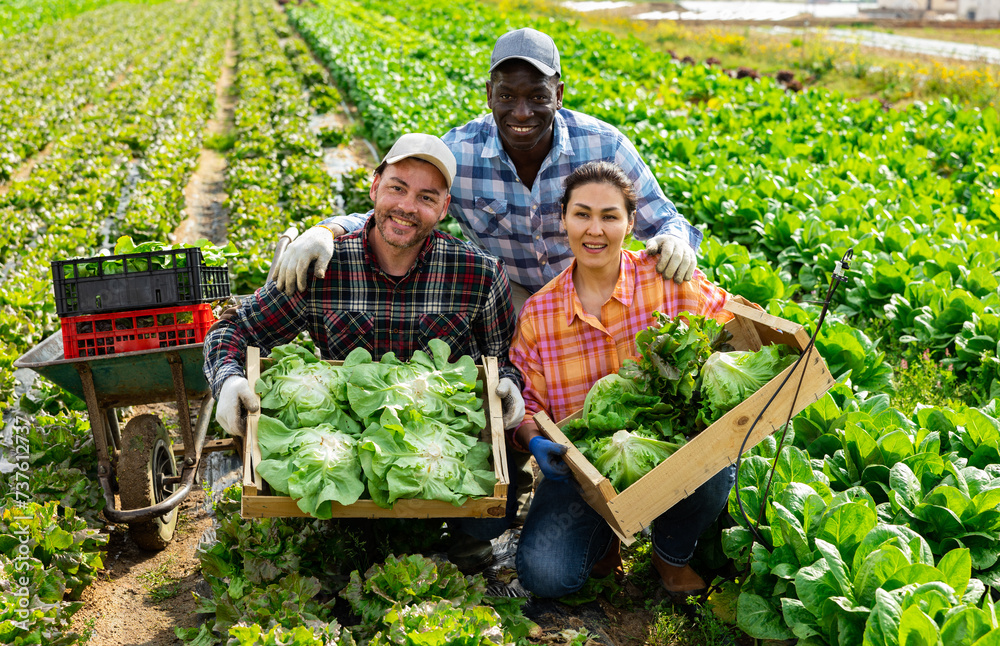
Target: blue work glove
[(549, 454)]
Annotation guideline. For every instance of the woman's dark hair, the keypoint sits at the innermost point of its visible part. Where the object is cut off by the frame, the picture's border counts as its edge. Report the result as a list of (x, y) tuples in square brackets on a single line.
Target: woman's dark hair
[(600, 172)]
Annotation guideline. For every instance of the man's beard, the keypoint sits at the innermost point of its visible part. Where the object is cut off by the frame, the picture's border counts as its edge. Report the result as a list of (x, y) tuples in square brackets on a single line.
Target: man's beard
[(420, 234)]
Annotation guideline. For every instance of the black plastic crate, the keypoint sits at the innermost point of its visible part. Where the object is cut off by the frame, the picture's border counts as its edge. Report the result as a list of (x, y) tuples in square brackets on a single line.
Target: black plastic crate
[(136, 281)]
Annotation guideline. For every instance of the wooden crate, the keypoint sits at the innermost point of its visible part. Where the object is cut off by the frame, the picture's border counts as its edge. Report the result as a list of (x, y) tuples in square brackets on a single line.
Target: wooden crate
[(716, 447), (257, 502)]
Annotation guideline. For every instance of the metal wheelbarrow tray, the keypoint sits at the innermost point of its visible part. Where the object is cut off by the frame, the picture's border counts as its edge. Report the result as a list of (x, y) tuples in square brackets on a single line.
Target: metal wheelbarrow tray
[(142, 467)]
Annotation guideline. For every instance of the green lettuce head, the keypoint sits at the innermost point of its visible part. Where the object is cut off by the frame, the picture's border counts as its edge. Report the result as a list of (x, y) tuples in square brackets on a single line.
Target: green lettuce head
[(727, 378), (304, 391), (613, 402), (626, 456), (315, 465)]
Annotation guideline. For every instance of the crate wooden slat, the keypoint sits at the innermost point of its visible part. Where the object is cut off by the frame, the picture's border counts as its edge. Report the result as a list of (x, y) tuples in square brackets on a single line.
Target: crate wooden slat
[(258, 503), (494, 432), (259, 506), (252, 482), (716, 447)]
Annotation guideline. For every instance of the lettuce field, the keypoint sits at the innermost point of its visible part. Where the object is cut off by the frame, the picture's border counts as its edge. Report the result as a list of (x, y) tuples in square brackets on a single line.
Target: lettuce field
[(879, 514)]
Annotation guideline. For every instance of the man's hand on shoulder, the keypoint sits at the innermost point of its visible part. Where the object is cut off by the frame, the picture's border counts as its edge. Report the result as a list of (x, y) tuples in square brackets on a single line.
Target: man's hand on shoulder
[(314, 248), (677, 259), (235, 391)]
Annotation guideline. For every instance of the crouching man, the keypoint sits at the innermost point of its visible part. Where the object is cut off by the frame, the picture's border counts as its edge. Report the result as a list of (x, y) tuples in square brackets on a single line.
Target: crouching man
[(391, 286)]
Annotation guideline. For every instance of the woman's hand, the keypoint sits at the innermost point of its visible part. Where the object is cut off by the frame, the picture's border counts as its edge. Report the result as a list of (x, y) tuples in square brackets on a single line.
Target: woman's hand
[(549, 457)]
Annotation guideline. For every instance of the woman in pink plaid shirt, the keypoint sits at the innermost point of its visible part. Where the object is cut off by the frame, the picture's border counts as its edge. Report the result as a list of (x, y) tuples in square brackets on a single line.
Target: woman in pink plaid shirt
[(578, 328)]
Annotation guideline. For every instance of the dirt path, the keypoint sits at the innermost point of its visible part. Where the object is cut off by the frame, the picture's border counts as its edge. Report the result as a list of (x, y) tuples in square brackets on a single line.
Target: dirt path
[(141, 596), (205, 193)]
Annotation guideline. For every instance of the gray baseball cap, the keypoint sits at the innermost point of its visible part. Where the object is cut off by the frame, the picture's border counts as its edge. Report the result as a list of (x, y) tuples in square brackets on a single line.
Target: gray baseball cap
[(528, 45), (426, 147)]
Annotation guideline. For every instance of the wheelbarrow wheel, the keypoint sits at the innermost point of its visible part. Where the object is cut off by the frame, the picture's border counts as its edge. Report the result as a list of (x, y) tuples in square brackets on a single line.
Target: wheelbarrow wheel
[(146, 458)]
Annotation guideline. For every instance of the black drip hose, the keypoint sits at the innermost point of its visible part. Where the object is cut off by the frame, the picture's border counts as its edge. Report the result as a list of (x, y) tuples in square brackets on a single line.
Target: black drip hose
[(839, 276)]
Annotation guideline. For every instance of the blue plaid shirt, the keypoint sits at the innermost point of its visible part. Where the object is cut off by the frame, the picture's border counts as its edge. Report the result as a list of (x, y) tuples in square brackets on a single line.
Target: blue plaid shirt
[(522, 227)]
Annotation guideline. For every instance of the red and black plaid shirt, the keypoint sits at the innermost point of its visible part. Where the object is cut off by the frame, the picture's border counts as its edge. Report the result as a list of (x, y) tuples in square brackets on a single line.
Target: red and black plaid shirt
[(454, 292)]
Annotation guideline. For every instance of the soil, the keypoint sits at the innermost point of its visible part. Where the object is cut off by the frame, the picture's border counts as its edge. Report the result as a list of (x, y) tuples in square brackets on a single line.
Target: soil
[(24, 171), (121, 606), (205, 193)]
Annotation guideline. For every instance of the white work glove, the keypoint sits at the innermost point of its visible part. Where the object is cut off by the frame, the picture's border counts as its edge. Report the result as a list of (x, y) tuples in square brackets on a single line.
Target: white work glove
[(235, 391), (511, 402), (314, 247), (677, 259)]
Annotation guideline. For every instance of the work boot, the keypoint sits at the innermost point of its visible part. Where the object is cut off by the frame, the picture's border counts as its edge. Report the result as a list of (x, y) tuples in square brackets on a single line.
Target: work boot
[(610, 562), (470, 555), (680, 582)]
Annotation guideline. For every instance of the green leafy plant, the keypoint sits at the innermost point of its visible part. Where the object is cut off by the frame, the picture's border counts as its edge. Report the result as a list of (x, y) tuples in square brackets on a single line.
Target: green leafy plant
[(47, 558), (406, 580), (421, 421), (924, 381), (253, 635), (440, 623), (354, 193), (614, 403), (305, 392), (635, 419), (219, 142), (325, 98), (316, 465), (727, 378), (626, 456), (56, 539), (160, 584), (415, 599), (334, 136)]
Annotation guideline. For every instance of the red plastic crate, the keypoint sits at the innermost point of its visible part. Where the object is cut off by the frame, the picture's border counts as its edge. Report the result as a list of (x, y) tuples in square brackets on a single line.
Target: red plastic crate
[(96, 335)]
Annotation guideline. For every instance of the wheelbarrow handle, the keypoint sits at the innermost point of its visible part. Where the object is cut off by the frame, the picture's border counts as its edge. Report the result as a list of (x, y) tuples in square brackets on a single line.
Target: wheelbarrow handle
[(283, 240)]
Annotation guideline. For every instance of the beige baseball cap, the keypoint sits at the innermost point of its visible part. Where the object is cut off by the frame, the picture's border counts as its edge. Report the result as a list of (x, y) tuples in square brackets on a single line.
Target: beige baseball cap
[(426, 147)]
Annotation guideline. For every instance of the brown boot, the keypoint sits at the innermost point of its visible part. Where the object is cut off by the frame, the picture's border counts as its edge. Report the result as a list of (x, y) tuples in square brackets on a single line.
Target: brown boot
[(610, 562), (679, 582)]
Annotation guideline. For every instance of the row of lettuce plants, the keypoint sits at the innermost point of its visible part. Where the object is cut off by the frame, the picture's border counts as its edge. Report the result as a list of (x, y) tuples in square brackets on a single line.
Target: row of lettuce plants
[(882, 521), (276, 177), (117, 166), (43, 95), (49, 551), (290, 581), (878, 528), (60, 209), (165, 135), (24, 16), (99, 178)]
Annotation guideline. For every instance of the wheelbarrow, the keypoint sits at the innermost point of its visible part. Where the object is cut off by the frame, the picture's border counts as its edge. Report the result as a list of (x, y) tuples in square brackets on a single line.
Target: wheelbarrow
[(141, 465)]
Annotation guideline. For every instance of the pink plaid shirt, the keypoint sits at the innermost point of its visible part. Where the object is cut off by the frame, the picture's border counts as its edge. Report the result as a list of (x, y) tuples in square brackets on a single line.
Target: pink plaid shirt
[(562, 351)]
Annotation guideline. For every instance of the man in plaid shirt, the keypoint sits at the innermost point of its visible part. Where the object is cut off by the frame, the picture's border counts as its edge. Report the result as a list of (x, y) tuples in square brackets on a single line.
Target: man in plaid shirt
[(511, 168), (392, 286)]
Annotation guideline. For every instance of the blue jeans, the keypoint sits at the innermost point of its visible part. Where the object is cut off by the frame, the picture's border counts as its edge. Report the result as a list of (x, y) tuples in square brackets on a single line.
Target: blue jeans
[(563, 537)]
